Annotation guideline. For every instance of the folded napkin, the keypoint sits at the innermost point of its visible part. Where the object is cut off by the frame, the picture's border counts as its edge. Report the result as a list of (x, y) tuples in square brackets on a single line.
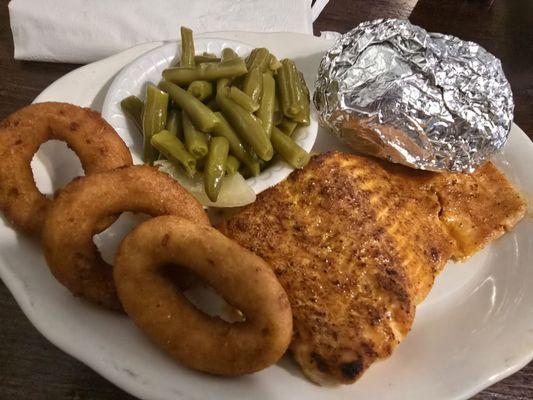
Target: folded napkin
[(81, 31)]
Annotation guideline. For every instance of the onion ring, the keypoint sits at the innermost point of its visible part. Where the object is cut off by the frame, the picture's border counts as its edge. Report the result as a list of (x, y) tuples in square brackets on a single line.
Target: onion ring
[(95, 142), (197, 340), (70, 252)]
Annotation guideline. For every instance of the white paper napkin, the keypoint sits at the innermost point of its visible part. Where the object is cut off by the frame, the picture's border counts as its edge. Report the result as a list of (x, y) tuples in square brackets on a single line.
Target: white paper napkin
[(81, 31)]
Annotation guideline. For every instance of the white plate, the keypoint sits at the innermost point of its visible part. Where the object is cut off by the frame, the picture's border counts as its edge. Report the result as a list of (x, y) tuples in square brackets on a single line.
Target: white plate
[(132, 80), (475, 328)]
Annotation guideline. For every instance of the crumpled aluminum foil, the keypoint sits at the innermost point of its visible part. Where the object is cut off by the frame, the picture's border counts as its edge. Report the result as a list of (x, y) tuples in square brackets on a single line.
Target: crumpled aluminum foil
[(427, 100)]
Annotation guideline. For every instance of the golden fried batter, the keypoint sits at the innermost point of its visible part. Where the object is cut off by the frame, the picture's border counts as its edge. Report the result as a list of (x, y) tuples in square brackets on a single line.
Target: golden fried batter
[(95, 142), (202, 342), (357, 242), (71, 223)]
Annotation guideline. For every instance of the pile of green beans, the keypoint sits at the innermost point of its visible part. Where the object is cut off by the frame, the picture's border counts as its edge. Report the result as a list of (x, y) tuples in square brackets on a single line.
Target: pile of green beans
[(219, 115)]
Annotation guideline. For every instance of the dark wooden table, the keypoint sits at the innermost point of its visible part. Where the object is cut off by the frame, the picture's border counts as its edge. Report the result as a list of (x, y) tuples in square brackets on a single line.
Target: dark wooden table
[(32, 368)]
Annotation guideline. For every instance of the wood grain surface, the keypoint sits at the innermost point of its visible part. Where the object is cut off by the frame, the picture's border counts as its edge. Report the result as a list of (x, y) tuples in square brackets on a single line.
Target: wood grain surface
[(31, 368)]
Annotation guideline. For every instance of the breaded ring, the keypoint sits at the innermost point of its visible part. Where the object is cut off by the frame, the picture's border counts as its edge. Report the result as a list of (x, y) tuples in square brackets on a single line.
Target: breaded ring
[(95, 142), (69, 227), (201, 342)]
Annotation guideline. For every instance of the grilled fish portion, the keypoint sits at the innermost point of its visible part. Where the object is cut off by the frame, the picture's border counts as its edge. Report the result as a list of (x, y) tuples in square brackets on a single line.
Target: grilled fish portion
[(357, 242), (476, 208)]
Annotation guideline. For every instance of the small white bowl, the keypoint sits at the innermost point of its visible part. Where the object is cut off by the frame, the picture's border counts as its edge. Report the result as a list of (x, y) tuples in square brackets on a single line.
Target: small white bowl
[(132, 80)]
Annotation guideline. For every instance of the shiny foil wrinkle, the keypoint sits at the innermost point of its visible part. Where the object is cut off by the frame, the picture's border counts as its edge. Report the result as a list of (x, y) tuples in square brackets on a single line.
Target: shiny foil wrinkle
[(427, 100)]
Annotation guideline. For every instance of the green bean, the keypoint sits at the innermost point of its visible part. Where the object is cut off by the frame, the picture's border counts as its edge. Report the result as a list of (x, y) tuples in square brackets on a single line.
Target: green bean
[(206, 58), (154, 119), (202, 117), (255, 168), (229, 54), (174, 150), (268, 99), (133, 107), (258, 58), (273, 63), (224, 129), (223, 82), (215, 166), (201, 89), (205, 72), (291, 95), (242, 99), (232, 165), (187, 48), (253, 84), (287, 126), (288, 149), (195, 141), (278, 114), (174, 123), (303, 117), (247, 126)]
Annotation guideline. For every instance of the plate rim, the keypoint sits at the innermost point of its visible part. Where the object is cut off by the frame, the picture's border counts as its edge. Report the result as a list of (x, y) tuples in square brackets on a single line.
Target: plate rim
[(15, 286)]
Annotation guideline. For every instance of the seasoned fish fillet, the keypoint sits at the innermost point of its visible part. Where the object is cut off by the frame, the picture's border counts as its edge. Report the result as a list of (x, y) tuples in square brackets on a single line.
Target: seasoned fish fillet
[(357, 242), (476, 208)]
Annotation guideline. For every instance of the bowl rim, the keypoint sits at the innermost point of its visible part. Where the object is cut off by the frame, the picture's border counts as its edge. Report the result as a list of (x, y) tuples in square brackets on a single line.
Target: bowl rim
[(270, 176)]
